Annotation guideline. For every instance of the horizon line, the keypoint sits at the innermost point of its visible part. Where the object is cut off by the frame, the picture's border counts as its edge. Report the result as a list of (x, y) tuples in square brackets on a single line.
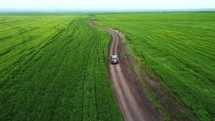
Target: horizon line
[(101, 10)]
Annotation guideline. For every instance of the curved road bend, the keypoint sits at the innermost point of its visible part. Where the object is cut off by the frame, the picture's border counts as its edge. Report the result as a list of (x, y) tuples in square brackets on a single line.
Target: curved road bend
[(130, 96)]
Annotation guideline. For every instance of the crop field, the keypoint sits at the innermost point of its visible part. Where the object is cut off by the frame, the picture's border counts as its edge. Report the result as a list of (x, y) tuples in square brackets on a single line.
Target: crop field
[(53, 67), (180, 49)]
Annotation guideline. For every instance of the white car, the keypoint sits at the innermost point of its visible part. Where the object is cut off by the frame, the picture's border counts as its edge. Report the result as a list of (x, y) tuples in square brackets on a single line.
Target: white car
[(114, 59)]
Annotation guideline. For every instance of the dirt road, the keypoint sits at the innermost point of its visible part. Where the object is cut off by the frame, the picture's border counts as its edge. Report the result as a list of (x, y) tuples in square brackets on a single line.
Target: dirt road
[(129, 93)]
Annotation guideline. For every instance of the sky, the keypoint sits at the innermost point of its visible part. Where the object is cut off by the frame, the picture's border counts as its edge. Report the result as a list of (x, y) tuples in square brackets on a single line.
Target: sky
[(106, 4)]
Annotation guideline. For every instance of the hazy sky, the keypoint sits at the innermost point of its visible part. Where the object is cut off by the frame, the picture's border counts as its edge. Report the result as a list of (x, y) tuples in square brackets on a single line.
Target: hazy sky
[(107, 4)]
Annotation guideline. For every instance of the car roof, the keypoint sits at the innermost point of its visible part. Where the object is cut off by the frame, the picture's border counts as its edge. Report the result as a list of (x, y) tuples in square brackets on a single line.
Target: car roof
[(114, 56)]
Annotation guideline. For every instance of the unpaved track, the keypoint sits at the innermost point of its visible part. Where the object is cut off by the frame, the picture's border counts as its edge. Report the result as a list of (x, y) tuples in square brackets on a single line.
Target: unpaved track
[(129, 94)]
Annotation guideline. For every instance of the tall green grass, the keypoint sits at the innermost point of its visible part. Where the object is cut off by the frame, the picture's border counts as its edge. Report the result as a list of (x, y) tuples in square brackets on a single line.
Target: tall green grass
[(179, 47), (53, 67)]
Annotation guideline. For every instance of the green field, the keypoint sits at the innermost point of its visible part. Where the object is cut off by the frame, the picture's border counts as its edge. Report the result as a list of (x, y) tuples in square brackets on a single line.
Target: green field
[(180, 49), (53, 67)]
